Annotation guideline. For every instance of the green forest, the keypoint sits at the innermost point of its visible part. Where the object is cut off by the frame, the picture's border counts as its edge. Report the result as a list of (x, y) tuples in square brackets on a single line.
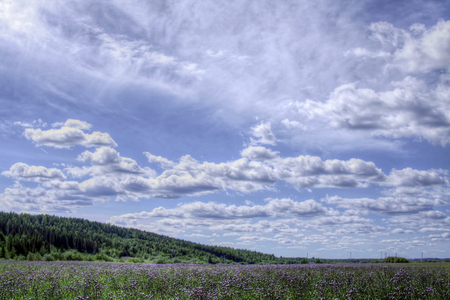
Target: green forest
[(52, 238), (45, 237)]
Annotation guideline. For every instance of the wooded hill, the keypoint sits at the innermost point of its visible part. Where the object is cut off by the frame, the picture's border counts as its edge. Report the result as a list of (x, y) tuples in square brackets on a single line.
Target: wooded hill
[(45, 237)]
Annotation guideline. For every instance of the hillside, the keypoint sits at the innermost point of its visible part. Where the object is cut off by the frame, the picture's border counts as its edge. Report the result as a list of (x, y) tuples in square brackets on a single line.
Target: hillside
[(45, 237)]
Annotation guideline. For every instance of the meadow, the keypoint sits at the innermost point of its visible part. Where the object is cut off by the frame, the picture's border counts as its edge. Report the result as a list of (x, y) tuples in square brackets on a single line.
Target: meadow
[(88, 280)]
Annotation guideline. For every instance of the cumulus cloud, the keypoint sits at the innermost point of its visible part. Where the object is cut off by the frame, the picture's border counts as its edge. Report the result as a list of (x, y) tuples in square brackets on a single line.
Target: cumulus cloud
[(211, 210), (164, 162), (409, 110), (424, 219), (312, 171), (188, 177), (417, 49), (106, 160), (61, 198), (440, 193), (112, 175), (22, 171), (77, 124), (402, 231), (386, 205), (69, 135), (409, 177), (258, 153), (430, 229), (411, 107), (35, 123), (264, 226), (263, 133), (292, 124), (246, 175)]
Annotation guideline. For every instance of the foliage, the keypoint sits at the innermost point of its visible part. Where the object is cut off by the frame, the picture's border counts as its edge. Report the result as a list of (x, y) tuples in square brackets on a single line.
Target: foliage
[(393, 259), (304, 260), (81, 280), (44, 237)]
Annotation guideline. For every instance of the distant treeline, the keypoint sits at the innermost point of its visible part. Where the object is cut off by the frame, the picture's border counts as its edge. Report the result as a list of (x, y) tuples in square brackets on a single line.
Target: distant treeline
[(45, 237)]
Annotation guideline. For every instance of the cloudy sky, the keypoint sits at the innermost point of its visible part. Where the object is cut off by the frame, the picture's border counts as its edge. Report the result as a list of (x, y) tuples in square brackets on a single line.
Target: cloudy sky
[(287, 127)]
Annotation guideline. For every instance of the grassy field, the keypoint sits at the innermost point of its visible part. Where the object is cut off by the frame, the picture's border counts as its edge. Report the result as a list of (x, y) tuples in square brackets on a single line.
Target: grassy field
[(83, 280)]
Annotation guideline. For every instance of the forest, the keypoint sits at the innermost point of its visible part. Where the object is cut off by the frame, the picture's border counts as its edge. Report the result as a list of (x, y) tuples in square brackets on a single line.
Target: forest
[(45, 237)]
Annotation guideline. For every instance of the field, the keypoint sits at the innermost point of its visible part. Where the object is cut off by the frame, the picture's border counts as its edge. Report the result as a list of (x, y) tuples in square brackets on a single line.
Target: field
[(82, 280)]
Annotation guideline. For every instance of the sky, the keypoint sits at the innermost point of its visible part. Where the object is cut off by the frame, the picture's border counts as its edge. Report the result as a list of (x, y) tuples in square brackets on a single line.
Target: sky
[(295, 128)]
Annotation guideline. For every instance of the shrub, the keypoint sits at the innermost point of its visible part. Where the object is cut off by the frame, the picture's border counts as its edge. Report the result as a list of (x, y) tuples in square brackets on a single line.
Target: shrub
[(34, 256), (392, 259), (57, 255), (160, 261), (304, 261), (103, 257), (88, 257), (48, 257), (136, 260), (72, 255)]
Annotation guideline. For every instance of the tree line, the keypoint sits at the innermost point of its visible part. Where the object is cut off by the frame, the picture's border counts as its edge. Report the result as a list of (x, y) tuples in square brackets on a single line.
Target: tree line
[(45, 237)]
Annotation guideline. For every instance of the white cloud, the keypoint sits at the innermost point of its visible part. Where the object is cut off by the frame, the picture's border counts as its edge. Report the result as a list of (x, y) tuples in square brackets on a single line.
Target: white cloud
[(22, 171), (62, 199), (430, 229), (275, 208), (258, 153), (62, 185), (264, 134), (401, 231), (424, 51), (188, 177), (385, 205), (425, 219), (197, 235), (410, 110), (23, 124), (293, 124), (245, 175), (106, 160), (77, 124), (115, 176), (112, 174), (409, 177), (261, 226), (69, 136), (311, 171), (164, 162), (417, 50), (440, 193)]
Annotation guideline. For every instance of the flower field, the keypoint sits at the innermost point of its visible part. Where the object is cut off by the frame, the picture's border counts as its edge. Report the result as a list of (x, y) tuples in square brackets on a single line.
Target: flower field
[(82, 280)]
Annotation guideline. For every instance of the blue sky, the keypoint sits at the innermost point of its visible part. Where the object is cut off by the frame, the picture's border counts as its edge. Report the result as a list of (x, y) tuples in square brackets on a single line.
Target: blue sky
[(287, 127)]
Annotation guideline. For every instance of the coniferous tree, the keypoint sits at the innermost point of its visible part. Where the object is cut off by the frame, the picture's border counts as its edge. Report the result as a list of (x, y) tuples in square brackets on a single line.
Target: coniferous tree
[(52, 236)]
